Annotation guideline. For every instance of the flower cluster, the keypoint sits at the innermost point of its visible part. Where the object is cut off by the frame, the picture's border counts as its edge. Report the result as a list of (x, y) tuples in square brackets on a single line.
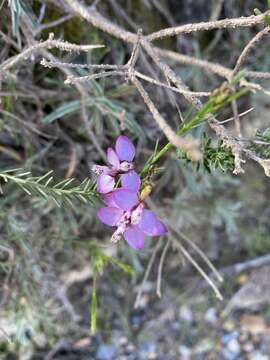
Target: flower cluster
[(125, 208)]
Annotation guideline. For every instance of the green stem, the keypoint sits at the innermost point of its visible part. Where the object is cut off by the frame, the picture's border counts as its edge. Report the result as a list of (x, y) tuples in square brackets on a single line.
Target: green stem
[(210, 107)]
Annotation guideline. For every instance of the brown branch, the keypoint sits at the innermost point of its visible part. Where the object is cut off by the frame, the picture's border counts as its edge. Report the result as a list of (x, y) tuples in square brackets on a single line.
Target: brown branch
[(160, 267), (60, 64), (253, 42), (55, 23), (186, 254), (71, 79), (172, 88), (189, 60), (188, 145), (97, 20), (146, 274), (209, 25), (47, 44), (92, 16), (169, 73), (211, 67)]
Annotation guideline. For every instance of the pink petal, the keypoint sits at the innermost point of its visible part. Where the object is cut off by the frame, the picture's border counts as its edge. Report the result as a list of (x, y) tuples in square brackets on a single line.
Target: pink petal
[(151, 225), (135, 237), (108, 200), (113, 158), (105, 184), (131, 181), (125, 148), (101, 169), (109, 215), (125, 199)]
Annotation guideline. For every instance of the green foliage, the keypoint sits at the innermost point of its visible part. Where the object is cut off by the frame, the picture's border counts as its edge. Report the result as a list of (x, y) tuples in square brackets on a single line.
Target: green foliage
[(64, 109), (261, 143), (217, 157), (16, 9), (93, 312), (99, 261), (63, 192), (219, 98)]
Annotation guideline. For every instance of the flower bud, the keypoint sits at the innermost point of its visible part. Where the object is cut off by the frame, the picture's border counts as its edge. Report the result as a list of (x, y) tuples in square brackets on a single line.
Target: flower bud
[(146, 191)]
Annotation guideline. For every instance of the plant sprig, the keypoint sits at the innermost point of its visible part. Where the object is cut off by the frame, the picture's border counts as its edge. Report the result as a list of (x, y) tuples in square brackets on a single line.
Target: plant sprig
[(217, 100), (60, 192)]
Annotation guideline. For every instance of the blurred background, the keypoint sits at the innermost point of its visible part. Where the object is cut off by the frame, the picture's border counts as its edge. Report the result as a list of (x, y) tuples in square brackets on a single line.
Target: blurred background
[(46, 252)]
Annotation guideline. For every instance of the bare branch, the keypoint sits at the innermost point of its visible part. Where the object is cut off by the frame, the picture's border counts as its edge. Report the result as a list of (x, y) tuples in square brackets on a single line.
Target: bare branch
[(188, 145), (47, 44), (169, 73), (160, 267), (97, 20), (177, 90), (59, 64), (71, 79), (207, 65), (210, 25), (253, 42), (55, 23), (186, 254), (147, 273)]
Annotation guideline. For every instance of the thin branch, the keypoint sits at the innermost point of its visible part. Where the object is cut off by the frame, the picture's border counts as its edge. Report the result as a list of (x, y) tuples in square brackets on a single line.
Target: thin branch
[(169, 73), (55, 23), (240, 115), (189, 145), (184, 252), (83, 94), (209, 25), (258, 74), (184, 237), (71, 79), (60, 64), (211, 67), (253, 42), (201, 253), (160, 267), (135, 51), (146, 274), (236, 119), (47, 44), (98, 21), (246, 265), (177, 90)]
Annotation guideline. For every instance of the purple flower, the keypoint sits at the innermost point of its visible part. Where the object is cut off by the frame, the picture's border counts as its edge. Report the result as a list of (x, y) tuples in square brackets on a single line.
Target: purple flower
[(126, 211), (120, 161)]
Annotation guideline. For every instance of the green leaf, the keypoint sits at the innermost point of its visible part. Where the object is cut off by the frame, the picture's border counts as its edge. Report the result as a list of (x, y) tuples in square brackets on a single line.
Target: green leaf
[(2, 3), (16, 10), (94, 308), (65, 109), (63, 192), (125, 267)]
